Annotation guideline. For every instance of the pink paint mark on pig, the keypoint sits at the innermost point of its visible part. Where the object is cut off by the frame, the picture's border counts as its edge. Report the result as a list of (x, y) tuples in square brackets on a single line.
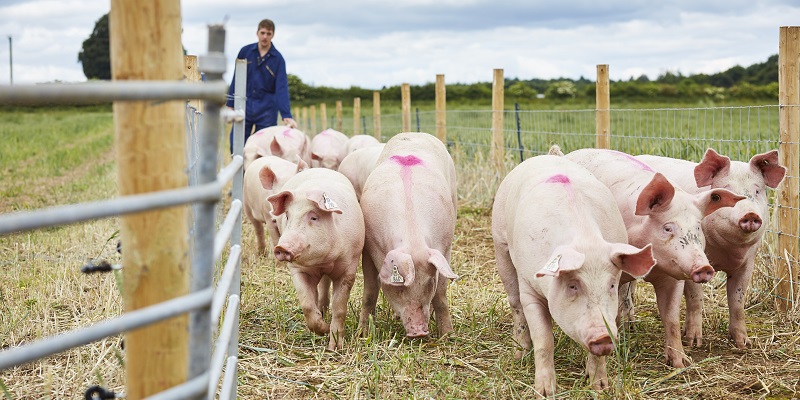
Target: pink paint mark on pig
[(287, 132), (564, 180), (406, 161), (633, 160)]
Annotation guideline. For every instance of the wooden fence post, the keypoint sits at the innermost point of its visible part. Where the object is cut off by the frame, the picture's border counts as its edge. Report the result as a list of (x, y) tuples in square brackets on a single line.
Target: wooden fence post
[(306, 124), (376, 115), (441, 109), (788, 193), (323, 116), (356, 116), (152, 135), (313, 112), (339, 115), (498, 144), (192, 74), (602, 110), (405, 98)]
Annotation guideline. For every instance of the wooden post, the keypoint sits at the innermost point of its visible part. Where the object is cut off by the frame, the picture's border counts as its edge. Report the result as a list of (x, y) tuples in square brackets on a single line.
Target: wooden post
[(356, 116), (313, 112), (339, 115), (376, 115), (441, 109), (405, 99), (150, 139), (788, 193), (191, 73), (498, 144), (306, 125), (602, 110), (323, 116)]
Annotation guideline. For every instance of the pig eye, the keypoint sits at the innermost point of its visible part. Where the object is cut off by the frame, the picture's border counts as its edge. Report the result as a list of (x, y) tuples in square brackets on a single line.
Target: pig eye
[(667, 229), (573, 286)]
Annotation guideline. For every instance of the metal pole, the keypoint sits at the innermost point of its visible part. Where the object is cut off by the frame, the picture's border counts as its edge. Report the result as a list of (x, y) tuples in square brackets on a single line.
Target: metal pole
[(364, 124), (200, 328), (519, 128), (418, 129)]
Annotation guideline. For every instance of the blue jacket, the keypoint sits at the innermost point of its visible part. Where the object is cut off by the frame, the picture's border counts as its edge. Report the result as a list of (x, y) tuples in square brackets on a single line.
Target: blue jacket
[(267, 86)]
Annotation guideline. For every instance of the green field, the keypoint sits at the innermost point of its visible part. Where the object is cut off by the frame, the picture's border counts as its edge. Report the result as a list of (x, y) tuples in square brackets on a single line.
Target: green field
[(59, 156)]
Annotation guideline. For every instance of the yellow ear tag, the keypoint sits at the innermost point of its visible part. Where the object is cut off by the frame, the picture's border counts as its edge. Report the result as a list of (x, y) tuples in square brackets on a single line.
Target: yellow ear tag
[(396, 277), (552, 265), (328, 202)]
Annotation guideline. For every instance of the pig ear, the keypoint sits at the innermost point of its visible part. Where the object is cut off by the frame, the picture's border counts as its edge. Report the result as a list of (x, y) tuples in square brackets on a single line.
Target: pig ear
[(301, 165), (275, 147), (712, 165), (636, 262), (656, 195), (323, 201), (314, 156), (713, 200), (279, 201), (437, 260), (563, 259), (767, 164), (267, 177), (397, 269)]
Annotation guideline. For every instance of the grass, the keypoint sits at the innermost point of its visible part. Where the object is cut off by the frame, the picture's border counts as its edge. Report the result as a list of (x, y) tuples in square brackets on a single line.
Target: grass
[(42, 293)]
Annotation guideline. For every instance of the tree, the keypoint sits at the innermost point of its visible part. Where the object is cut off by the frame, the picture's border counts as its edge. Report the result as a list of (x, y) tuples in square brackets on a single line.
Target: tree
[(95, 54)]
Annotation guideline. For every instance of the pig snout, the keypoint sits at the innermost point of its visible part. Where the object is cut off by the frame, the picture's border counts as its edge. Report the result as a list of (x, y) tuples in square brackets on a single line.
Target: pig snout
[(703, 274), (415, 323), (750, 223), (283, 254), (417, 331), (601, 345)]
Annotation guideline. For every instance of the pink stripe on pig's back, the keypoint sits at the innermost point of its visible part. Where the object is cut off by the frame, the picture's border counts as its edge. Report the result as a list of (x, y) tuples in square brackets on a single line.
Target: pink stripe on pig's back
[(635, 161)]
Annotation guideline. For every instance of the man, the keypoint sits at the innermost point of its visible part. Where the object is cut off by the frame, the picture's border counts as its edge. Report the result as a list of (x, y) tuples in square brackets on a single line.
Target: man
[(267, 85)]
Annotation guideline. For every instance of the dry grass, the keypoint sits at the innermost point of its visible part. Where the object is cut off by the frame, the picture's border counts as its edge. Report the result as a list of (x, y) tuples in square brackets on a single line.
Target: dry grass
[(42, 292)]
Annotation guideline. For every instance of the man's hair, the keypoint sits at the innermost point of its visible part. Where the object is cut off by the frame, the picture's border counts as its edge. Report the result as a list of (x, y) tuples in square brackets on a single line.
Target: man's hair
[(266, 23)]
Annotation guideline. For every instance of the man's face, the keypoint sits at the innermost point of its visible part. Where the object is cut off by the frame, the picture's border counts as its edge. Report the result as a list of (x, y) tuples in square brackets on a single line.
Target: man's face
[(265, 37)]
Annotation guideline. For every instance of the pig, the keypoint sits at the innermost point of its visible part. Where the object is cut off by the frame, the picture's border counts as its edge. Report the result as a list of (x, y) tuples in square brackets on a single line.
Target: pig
[(359, 142), (409, 204), (267, 176), (322, 236), (282, 141), (328, 149), (357, 165), (561, 247), (733, 234), (656, 211)]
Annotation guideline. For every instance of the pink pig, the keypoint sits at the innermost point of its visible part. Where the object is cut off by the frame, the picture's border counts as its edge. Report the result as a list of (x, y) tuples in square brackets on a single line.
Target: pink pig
[(284, 142), (267, 175), (561, 246), (359, 142), (322, 236), (357, 165), (656, 211), (733, 234), (409, 204), (328, 149)]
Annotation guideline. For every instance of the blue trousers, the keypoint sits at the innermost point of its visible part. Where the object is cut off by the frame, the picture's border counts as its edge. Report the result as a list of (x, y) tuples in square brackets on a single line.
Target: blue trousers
[(248, 130)]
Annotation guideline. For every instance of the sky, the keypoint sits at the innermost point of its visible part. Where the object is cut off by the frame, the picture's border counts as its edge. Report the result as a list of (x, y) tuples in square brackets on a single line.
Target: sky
[(373, 44)]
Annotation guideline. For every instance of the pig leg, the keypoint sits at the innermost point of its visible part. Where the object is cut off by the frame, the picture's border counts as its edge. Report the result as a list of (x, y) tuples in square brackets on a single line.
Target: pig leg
[(626, 308), (341, 293), (693, 326), (324, 294), (596, 371), (541, 326), (371, 290), (444, 324), (306, 287), (258, 228), (508, 275), (668, 296), (738, 282)]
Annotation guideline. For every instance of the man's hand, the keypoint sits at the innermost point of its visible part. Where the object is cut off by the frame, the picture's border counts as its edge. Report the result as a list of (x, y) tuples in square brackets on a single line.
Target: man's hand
[(290, 123)]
